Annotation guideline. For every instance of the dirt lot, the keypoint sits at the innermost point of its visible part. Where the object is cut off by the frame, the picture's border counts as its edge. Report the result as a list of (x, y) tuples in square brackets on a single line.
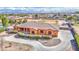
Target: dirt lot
[(12, 46)]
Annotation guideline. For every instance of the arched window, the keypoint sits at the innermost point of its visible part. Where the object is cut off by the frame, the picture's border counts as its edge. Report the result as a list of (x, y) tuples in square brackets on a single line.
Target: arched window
[(41, 31), (33, 32), (55, 32), (21, 29), (49, 32), (28, 29)]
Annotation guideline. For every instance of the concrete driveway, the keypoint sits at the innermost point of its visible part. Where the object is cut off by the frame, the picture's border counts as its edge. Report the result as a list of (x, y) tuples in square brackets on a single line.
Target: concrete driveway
[(64, 35)]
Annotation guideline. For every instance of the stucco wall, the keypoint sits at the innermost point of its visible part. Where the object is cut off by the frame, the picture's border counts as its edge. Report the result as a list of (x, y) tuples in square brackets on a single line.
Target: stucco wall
[(38, 31)]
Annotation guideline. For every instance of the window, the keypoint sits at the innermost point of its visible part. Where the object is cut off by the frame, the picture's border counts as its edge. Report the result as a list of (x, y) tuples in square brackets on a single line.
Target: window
[(21, 29), (33, 32), (49, 33), (25, 29), (28, 29), (41, 31)]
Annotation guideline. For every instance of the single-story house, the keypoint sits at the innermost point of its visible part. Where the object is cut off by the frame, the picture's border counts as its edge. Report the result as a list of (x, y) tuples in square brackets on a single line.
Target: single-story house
[(37, 28)]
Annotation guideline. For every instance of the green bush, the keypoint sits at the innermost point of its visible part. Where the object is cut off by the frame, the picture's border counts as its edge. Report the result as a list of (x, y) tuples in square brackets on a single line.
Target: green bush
[(35, 37), (21, 34), (1, 30), (38, 37), (11, 21), (15, 31), (12, 31), (32, 37), (45, 37), (77, 39)]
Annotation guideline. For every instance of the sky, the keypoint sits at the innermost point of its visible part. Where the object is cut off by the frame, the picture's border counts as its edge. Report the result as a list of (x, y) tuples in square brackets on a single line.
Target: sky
[(39, 3)]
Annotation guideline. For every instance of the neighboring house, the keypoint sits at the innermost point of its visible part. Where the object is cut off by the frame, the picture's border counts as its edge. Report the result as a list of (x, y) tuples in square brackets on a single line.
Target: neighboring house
[(37, 28), (65, 25), (17, 18)]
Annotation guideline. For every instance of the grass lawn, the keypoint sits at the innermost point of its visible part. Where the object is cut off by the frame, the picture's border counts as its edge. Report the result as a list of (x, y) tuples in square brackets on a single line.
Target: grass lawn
[(77, 39)]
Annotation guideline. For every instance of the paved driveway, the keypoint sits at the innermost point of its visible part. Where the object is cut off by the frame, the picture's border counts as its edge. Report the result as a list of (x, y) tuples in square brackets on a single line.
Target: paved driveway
[(64, 35)]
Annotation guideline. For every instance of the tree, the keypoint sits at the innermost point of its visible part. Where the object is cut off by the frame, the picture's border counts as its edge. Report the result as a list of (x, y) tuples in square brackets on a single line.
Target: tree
[(5, 21), (74, 18), (11, 21), (70, 18), (65, 17)]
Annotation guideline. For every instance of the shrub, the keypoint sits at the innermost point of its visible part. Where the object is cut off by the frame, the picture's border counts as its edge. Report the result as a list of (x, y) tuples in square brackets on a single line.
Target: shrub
[(1, 30), (12, 31), (77, 39), (11, 21), (21, 34), (38, 37), (35, 37), (15, 31)]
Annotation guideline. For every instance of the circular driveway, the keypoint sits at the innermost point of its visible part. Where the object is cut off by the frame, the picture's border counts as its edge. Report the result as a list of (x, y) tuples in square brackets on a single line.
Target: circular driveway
[(65, 37)]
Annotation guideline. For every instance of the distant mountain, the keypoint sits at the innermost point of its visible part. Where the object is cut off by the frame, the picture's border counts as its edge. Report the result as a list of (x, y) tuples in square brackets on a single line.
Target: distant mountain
[(17, 10)]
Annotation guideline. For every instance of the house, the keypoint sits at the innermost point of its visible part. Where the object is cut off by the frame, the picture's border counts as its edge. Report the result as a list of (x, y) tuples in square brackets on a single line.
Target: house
[(64, 25), (36, 28)]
